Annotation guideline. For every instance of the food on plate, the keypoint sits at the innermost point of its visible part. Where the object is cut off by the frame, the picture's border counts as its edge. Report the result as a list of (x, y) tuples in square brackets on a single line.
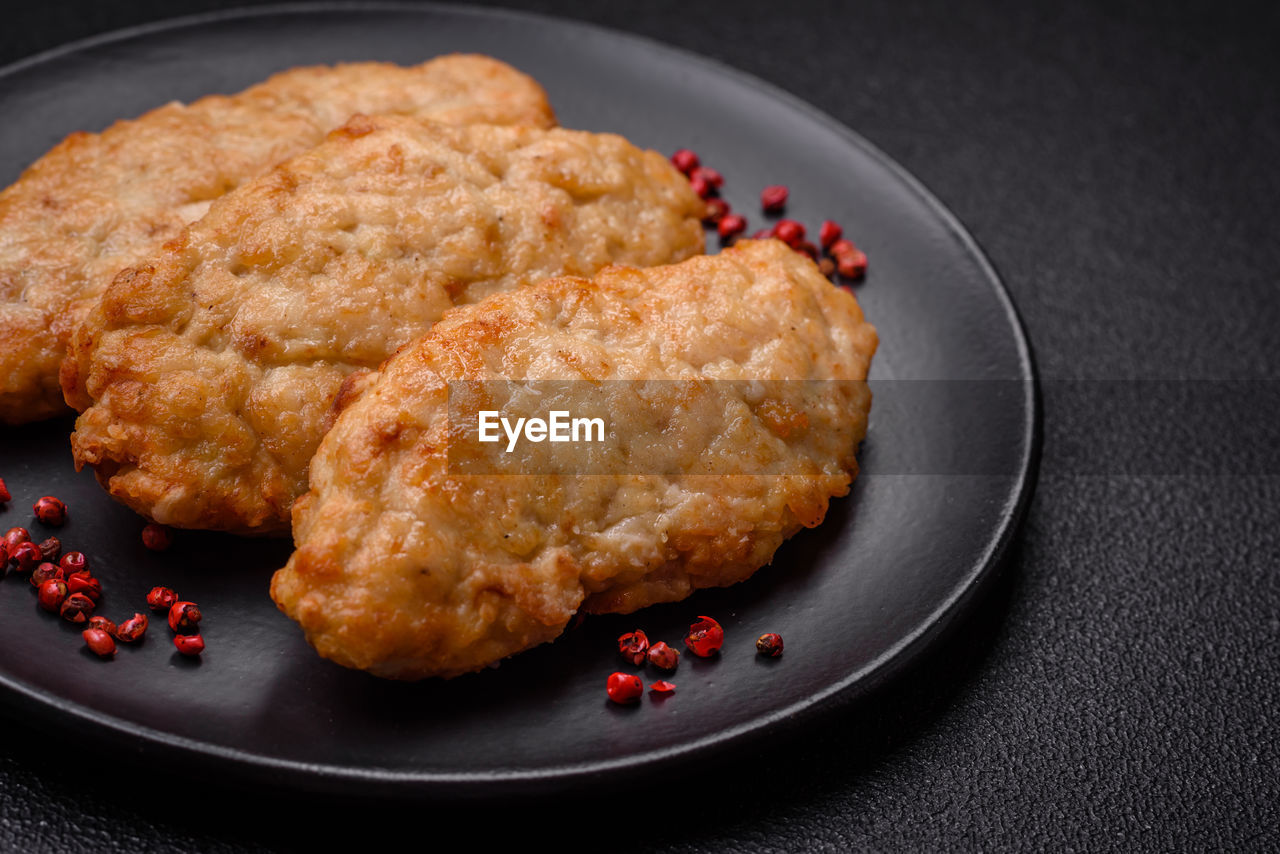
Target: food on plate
[(406, 568), (98, 202), (206, 375)]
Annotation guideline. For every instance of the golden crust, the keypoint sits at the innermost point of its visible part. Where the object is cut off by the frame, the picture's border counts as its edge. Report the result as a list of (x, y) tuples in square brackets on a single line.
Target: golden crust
[(97, 203), (407, 569), (206, 376)]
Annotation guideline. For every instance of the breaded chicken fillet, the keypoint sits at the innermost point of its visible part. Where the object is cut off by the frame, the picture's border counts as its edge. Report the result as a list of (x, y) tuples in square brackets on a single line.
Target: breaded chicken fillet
[(206, 375), (407, 569), (100, 202)]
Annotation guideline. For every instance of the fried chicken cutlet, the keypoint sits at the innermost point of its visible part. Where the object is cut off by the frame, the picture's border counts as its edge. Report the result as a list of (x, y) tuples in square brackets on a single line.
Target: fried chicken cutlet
[(407, 569), (206, 376), (99, 202)]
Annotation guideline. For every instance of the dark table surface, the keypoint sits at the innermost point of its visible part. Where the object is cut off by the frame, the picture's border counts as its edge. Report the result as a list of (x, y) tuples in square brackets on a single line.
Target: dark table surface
[(1118, 686)]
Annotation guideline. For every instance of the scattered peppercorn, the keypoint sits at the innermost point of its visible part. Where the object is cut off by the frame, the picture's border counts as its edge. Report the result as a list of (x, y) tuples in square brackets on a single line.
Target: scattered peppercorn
[(828, 233), (773, 198), (852, 265), (705, 637), (711, 176), (685, 160), (851, 262), (634, 646), (184, 616), (132, 629), (663, 687), (50, 511), (763, 234), (733, 224), (156, 537), (702, 186), (161, 599), (26, 556), (74, 562), (99, 642), (663, 657), (103, 623), (189, 644), (717, 209), (789, 232), (624, 688), (827, 267), (52, 594), (76, 608), (807, 248), (51, 549), (841, 246), (13, 536), (45, 572), (83, 582), (4, 492), (769, 645)]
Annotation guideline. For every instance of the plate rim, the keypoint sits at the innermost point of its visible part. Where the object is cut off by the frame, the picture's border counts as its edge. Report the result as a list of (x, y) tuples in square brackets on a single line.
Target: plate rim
[(453, 785)]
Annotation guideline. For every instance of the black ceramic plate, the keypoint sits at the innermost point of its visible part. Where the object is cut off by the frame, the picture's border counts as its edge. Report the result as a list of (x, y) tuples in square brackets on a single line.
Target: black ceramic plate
[(893, 563)]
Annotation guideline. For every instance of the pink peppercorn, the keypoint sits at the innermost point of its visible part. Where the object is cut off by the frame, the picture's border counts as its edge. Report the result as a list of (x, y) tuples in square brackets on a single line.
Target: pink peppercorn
[(731, 225), (685, 160), (773, 199)]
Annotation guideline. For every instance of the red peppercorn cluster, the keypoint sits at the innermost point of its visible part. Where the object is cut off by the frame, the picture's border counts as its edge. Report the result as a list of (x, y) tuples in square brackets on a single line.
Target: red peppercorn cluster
[(706, 182), (836, 255), (634, 646), (704, 639), (183, 617), (65, 585)]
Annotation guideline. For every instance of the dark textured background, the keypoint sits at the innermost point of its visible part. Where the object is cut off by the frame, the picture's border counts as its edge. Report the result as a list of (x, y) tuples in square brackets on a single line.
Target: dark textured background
[(1118, 688)]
